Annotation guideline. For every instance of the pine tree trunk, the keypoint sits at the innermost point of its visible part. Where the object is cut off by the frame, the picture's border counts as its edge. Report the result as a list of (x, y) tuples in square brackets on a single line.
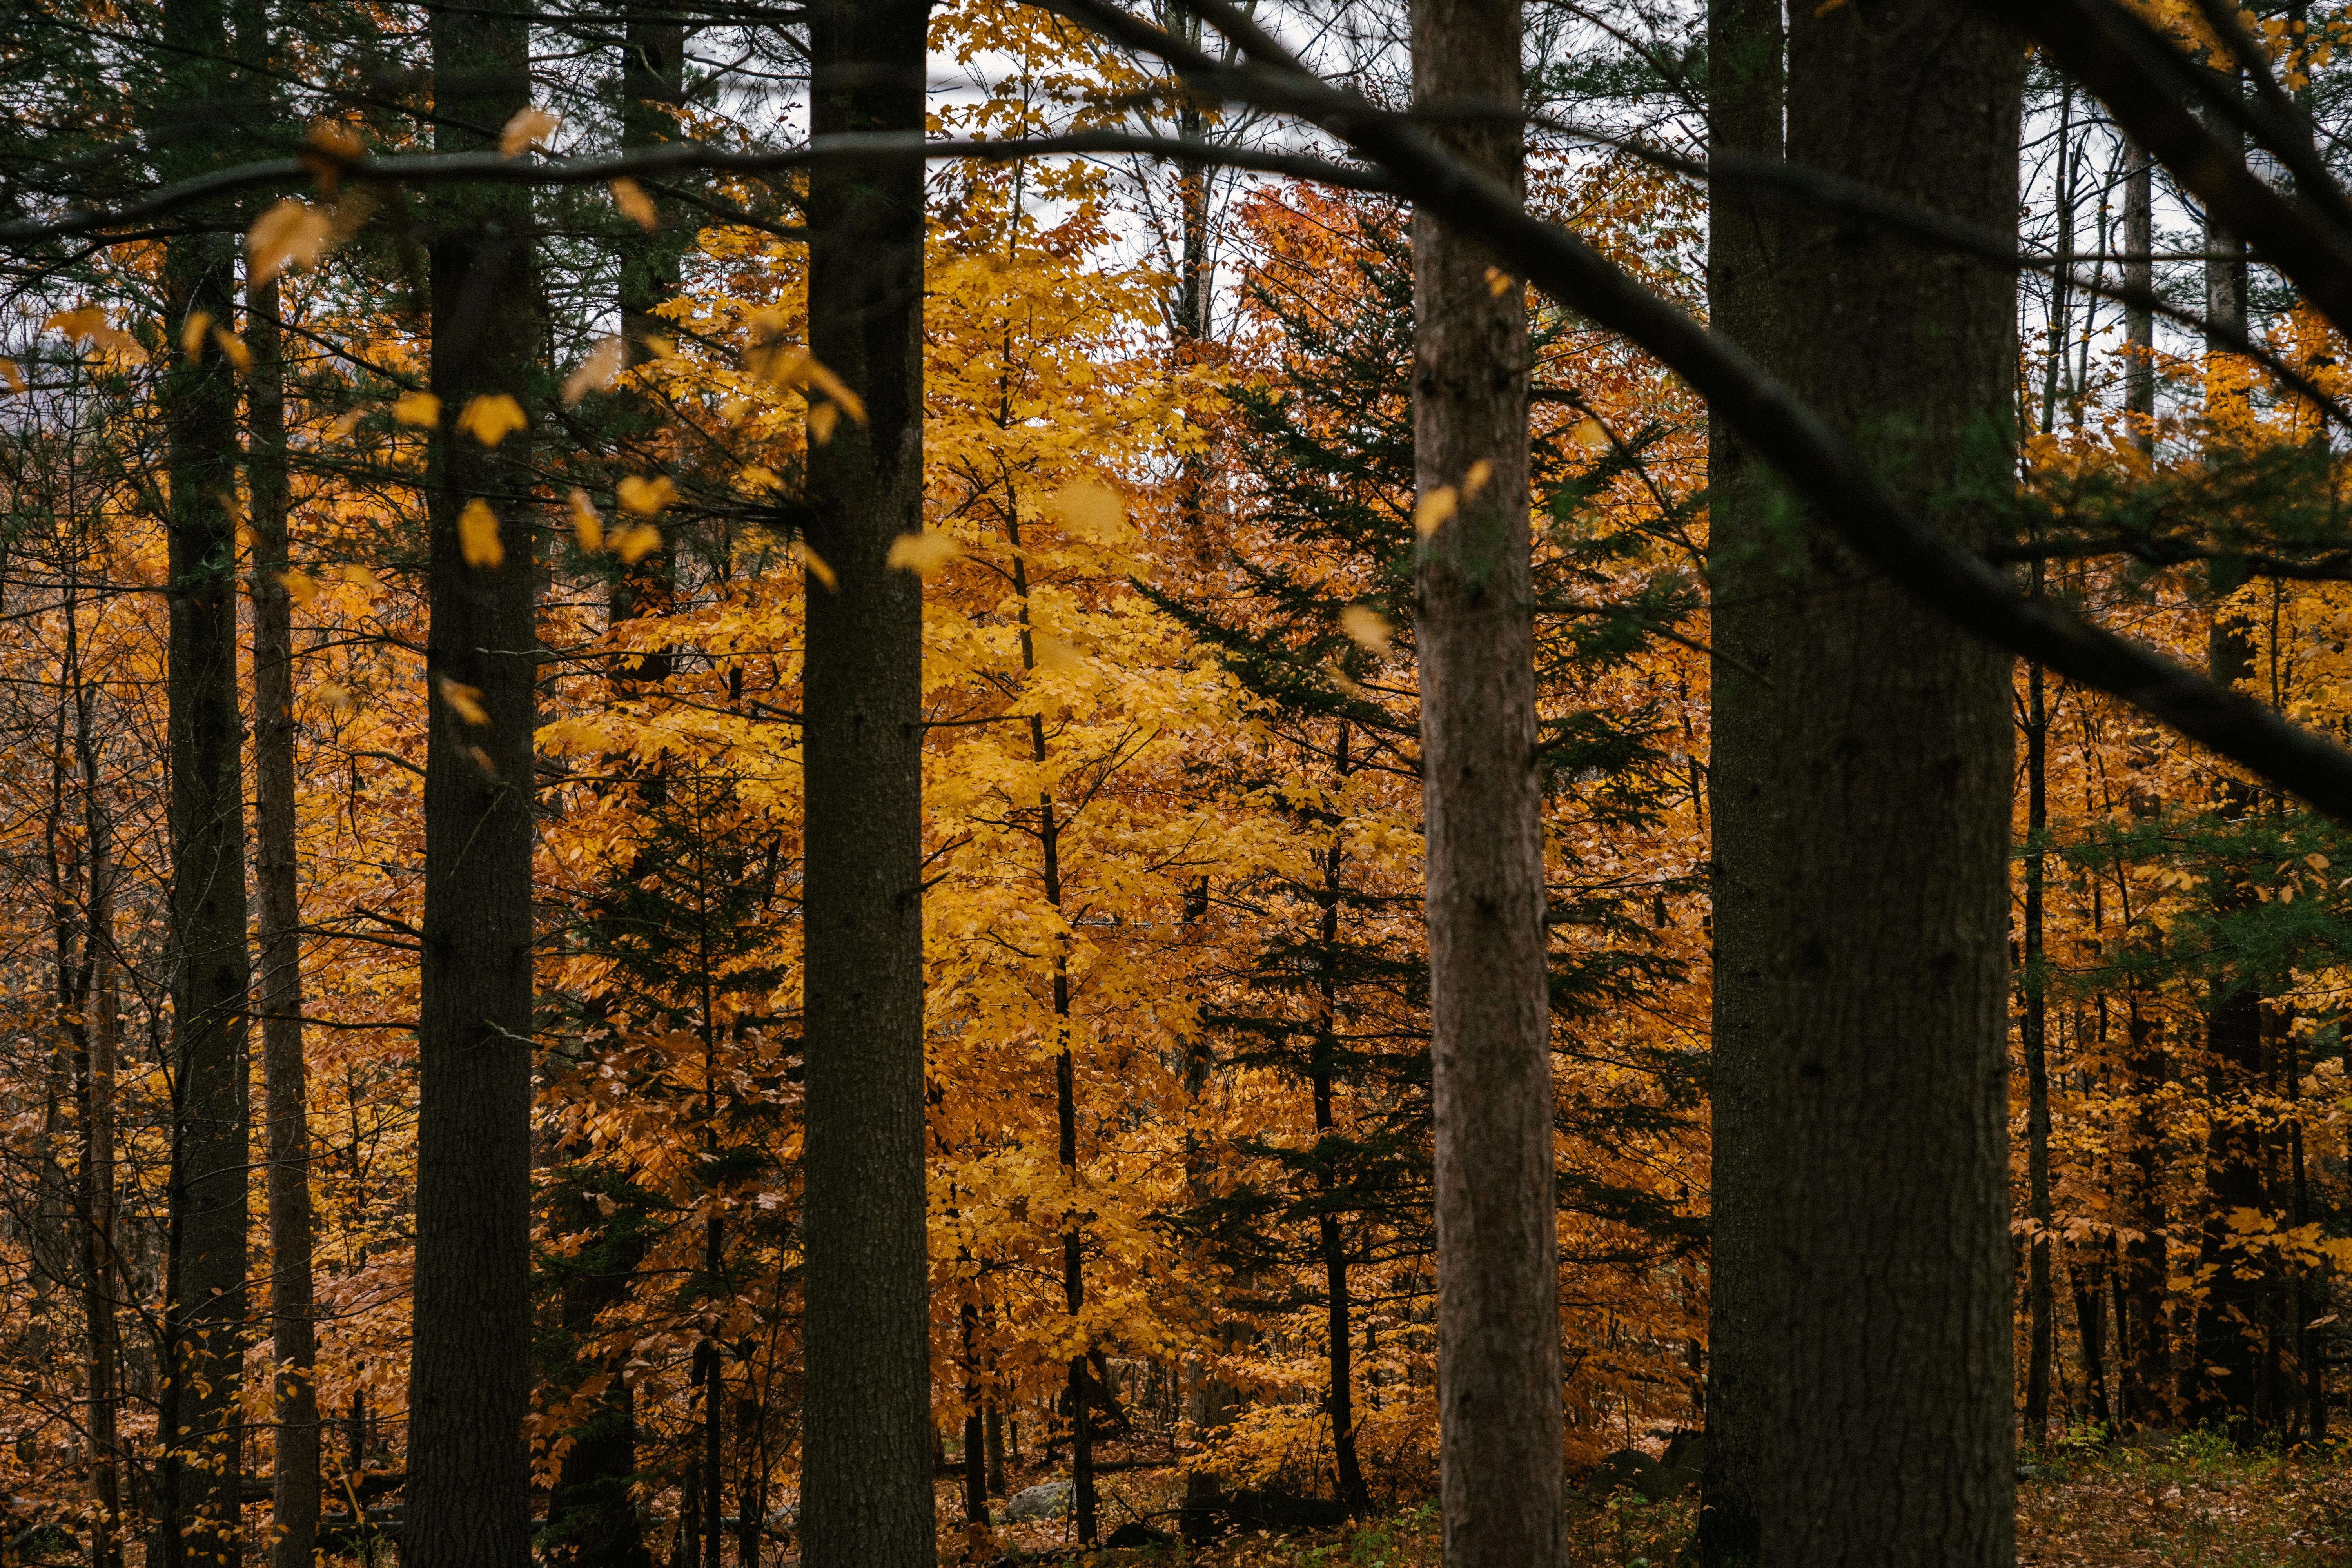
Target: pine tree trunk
[(2139, 276), (1872, 1329), (204, 1334), (285, 1093), (866, 1477), (2035, 1033), (101, 1277), (468, 1482), (1743, 115), (1339, 1402), (2147, 1351), (1499, 1416)]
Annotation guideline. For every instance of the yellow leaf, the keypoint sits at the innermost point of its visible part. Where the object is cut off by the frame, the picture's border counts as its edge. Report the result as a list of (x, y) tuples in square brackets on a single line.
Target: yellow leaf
[(815, 564), (822, 418), (1366, 626), (192, 334), (477, 534), (299, 586), (2317, 862), (636, 541), (77, 324), (292, 233), (586, 526), (1498, 282), (1589, 437), (359, 577), (595, 373), (1053, 653), (421, 409), (482, 760), (824, 381), (635, 205), (646, 497), (1429, 514), (332, 145), (923, 553), (660, 347), (1475, 480), (12, 376), (529, 125), (234, 346), (466, 702), (345, 423), (760, 477), (338, 698), (490, 417), (1092, 510)]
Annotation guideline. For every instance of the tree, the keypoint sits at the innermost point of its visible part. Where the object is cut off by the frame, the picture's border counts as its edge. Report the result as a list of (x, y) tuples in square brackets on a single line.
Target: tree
[(1868, 1336), (203, 1463), (1490, 1063), (866, 1483), (469, 1384)]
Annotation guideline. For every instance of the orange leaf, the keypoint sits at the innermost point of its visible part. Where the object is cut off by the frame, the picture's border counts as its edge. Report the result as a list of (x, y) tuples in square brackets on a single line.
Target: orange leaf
[(631, 198), (291, 232), (477, 534), (490, 417), (529, 125), (466, 702)]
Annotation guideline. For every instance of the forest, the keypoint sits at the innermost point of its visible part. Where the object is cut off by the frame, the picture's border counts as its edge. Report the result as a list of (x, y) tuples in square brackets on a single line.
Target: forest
[(872, 782)]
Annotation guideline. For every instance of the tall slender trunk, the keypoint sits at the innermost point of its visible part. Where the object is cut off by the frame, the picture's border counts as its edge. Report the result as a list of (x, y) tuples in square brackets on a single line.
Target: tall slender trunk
[(1499, 1417), (975, 1432), (1871, 1073), (2146, 1377), (2139, 276), (867, 1485), (203, 1440), (469, 1379), (294, 1485), (101, 1276), (1746, 77), (1339, 1402), (2034, 1030), (2223, 1377)]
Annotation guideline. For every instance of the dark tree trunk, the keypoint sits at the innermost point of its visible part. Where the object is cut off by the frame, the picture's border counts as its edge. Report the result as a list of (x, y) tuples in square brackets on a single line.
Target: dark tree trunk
[(1499, 1417), (1340, 1401), (469, 1501), (2035, 1031), (1745, 79), (2222, 1383), (294, 1473), (2139, 275), (2146, 1351), (285, 1093), (102, 1277), (866, 1482), (203, 1336), (1871, 1333)]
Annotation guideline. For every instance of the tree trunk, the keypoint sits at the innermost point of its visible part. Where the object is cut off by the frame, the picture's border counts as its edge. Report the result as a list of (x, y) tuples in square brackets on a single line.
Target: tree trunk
[(1872, 1334), (866, 1482), (294, 1486), (2147, 1376), (2139, 275), (1743, 115), (1340, 1399), (468, 1480), (2035, 1033), (1499, 1416), (204, 1335), (100, 1277)]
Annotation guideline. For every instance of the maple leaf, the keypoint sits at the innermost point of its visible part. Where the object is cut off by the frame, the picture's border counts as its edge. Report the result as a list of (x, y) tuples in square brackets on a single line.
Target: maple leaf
[(635, 543), (234, 347), (1092, 510), (477, 534), (644, 496), (922, 554), (528, 125), (1429, 515), (300, 587), (419, 409), (466, 702), (587, 527), (491, 417), (638, 207), (817, 569), (192, 334), (596, 372), (293, 233), (1367, 626)]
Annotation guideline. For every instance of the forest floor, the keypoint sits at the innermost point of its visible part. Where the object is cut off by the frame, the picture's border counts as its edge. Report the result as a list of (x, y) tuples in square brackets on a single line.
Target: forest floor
[(2173, 1504)]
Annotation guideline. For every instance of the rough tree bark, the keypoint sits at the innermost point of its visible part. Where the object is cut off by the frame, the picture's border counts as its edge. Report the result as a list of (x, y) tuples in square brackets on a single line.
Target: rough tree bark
[(101, 1279), (1745, 79), (206, 1307), (865, 1486), (1497, 1283), (469, 1481), (1869, 1089), (294, 1484)]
